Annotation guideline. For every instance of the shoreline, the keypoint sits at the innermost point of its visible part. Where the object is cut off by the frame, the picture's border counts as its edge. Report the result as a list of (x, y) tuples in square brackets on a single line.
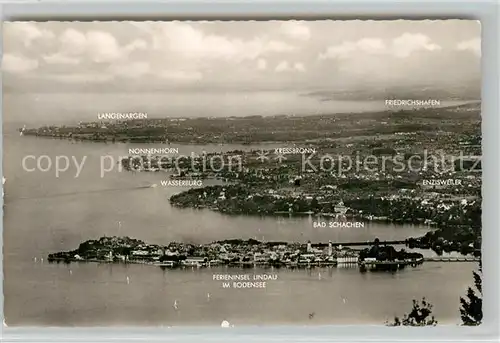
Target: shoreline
[(154, 130)]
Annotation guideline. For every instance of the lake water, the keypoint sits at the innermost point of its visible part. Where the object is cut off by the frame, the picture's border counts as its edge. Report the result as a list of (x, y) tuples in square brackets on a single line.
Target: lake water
[(44, 214)]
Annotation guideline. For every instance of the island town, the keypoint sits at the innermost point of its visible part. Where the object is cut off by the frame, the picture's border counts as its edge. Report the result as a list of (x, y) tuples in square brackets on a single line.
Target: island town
[(249, 253)]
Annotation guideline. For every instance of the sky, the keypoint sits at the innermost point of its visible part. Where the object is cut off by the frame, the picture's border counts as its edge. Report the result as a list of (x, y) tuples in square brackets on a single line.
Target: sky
[(68, 59)]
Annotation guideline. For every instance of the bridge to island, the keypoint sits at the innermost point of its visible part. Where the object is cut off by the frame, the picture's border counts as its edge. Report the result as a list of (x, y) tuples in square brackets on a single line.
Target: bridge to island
[(353, 244), (452, 259)]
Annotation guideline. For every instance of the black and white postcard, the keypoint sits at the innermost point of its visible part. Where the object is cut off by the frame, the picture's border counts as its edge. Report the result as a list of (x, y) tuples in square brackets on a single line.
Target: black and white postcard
[(235, 173)]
